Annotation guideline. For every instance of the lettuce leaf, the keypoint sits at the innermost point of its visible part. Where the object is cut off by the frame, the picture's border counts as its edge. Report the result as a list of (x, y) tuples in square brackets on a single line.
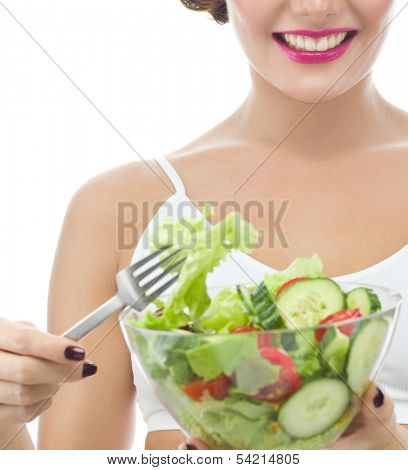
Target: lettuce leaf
[(254, 373), (204, 249), (221, 354), (310, 267), (233, 422), (225, 313), (234, 354), (245, 407), (179, 367)]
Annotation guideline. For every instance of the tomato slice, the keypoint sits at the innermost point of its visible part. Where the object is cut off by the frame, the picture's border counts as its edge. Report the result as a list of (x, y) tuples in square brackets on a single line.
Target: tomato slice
[(341, 315), (243, 329), (195, 389), (289, 283), (288, 381), (264, 339), (217, 388)]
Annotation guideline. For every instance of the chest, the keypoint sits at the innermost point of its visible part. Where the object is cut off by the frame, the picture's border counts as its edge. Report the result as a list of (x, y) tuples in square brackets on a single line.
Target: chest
[(351, 211)]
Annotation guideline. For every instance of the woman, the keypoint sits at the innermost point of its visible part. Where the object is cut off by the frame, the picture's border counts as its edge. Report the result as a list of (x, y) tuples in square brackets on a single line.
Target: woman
[(342, 165)]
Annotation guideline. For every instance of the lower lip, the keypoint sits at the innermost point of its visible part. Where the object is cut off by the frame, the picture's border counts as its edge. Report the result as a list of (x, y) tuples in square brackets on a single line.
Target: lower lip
[(314, 57)]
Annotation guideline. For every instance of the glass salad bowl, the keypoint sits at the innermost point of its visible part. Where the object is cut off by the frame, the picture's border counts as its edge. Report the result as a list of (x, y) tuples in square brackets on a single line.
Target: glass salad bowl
[(287, 388)]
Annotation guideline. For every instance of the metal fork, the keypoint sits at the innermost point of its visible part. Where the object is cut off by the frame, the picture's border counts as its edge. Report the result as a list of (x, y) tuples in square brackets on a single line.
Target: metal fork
[(129, 292)]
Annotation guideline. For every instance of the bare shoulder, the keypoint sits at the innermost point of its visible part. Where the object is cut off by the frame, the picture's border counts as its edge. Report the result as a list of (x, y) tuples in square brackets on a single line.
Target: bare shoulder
[(134, 181), (97, 207)]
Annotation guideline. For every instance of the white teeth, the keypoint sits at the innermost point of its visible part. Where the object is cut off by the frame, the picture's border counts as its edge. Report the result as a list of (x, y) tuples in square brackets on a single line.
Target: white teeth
[(300, 43), (332, 42), (340, 37), (314, 44), (310, 44), (323, 44)]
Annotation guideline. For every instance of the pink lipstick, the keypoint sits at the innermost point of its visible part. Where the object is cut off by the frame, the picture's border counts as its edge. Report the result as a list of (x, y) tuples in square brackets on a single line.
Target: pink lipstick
[(315, 47)]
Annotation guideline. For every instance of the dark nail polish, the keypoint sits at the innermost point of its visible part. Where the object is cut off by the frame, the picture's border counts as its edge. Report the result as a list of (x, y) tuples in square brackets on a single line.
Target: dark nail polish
[(89, 369), (74, 353), (191, 446), (378, 400)]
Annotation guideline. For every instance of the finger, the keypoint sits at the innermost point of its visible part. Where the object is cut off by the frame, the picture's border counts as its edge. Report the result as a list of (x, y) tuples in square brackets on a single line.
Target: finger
[(23, 414), (31, 371), (377, 406), (193, 444), (28, 341), (25, 395), (375, 422)]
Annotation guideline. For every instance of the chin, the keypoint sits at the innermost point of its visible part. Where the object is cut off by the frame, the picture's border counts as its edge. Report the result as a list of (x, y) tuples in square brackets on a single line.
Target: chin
[(312, 89)]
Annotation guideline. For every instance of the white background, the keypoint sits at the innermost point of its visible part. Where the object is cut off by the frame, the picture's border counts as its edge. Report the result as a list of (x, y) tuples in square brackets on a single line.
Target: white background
[(308, 459), (160, 73)]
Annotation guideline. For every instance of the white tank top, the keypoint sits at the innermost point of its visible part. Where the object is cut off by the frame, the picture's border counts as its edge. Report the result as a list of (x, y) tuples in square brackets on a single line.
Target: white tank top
[(242, 268)]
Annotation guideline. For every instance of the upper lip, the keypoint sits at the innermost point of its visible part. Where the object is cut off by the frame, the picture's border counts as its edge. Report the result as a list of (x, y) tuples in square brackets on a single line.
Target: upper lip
[(317, 34)]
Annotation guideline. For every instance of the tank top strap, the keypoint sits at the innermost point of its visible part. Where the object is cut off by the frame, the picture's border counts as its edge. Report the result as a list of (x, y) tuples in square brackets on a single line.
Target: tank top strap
[(172, 174)]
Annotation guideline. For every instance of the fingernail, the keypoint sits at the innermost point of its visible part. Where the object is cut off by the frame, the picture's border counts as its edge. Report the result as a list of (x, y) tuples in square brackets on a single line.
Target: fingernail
[(191, 446), (378, 400), (89, 369), (74, 353)]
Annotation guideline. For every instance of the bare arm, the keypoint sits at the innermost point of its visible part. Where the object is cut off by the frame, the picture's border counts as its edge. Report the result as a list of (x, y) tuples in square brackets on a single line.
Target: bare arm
[(97, 413)]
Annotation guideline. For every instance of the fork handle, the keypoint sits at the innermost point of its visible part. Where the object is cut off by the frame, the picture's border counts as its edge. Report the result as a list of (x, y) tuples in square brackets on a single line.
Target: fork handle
[(94, 319)]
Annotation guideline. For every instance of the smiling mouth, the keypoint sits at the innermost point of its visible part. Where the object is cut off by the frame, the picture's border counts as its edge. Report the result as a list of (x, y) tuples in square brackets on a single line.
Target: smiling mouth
[(299, 42)]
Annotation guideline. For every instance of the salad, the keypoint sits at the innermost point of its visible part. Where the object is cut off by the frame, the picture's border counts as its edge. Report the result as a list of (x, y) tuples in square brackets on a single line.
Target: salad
[(261, 365)]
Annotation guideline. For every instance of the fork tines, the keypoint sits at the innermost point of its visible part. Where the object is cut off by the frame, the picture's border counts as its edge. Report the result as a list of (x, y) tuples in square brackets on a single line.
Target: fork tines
[(139, 277)]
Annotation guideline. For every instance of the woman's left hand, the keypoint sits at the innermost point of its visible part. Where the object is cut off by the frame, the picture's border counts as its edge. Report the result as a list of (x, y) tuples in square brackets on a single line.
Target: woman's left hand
[(374, 427)]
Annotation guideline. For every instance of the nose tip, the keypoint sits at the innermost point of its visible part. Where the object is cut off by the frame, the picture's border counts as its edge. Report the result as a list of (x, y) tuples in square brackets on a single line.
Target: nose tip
[(316, 10)]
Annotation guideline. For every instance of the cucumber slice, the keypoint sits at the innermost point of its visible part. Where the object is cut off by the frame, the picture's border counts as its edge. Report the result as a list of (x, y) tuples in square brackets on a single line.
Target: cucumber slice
[(366, 345), (334, 347), (267, 316), (307, 302), (314, 408), (365, 299), (259, 304), (245, 296)]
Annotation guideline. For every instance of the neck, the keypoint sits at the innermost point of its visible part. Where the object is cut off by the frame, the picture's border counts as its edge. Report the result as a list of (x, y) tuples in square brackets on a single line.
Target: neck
[(349, 121)]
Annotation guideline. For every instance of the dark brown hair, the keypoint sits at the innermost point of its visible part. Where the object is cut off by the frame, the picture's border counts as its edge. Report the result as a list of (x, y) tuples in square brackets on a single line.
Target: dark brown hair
[(216, 8)]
